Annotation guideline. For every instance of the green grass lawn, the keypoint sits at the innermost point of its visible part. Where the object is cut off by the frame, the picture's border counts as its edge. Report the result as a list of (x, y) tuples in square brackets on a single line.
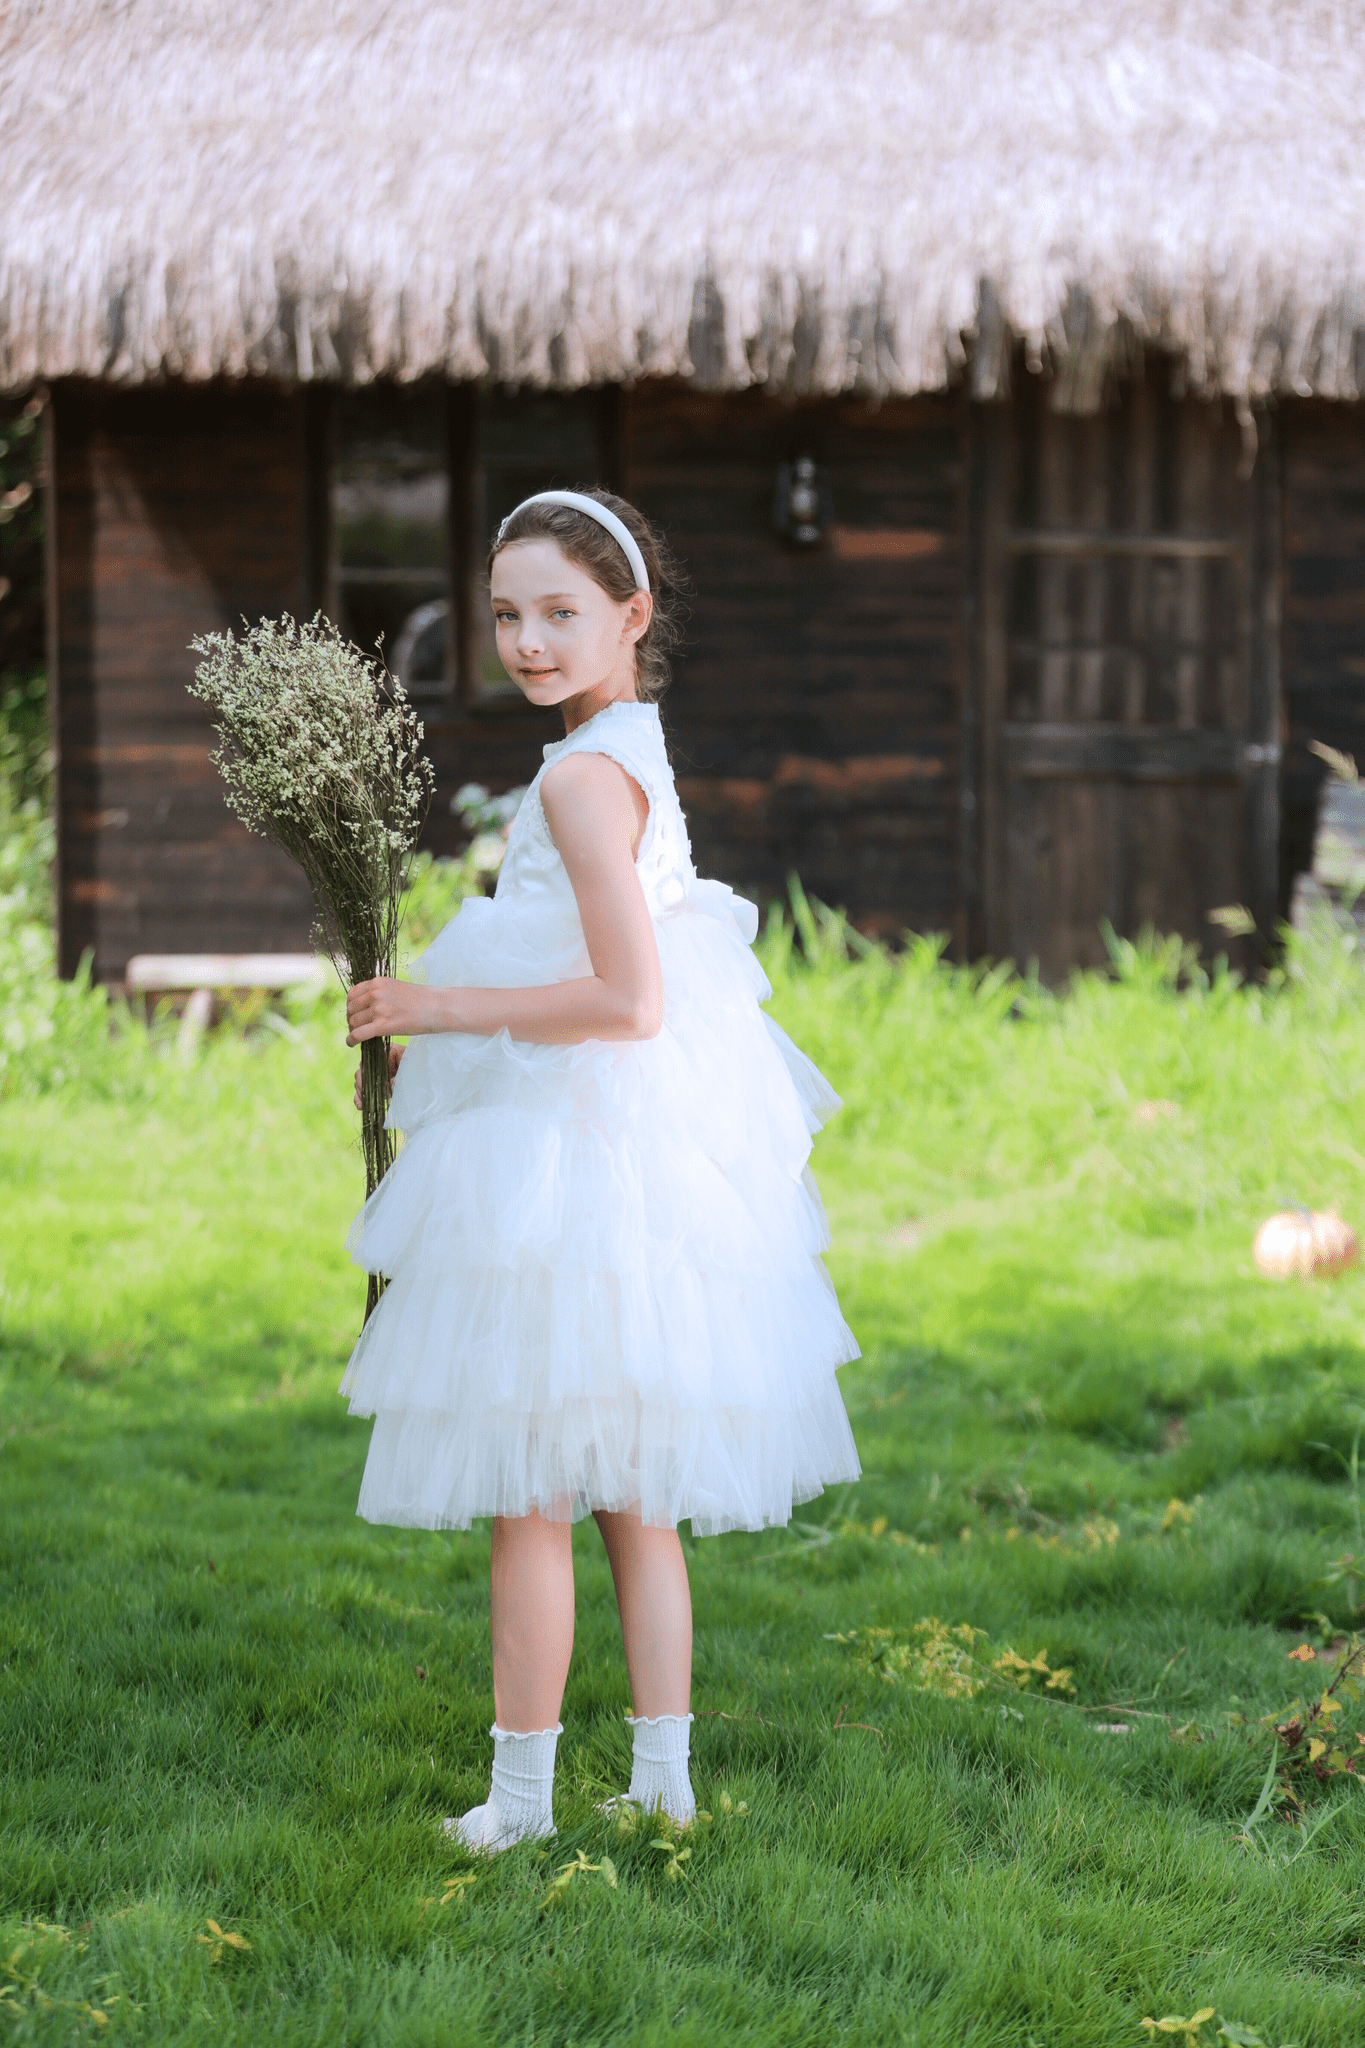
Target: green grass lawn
[(225, 1700)]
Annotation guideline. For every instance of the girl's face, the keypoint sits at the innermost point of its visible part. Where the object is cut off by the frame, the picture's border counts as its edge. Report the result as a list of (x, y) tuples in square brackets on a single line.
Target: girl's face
[(561, 637)]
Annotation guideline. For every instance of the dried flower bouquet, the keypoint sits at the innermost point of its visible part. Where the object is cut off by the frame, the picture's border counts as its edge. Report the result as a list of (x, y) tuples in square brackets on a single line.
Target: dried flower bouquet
[(320, 753)]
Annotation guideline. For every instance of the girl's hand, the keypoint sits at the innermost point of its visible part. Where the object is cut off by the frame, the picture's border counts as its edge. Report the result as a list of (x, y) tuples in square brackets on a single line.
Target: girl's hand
[(395, 1055), (390, 1009)]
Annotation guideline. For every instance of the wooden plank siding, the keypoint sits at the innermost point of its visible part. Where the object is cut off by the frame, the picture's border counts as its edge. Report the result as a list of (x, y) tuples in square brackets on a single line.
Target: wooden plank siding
[(176, 511), (815, 717), (1324, 611)]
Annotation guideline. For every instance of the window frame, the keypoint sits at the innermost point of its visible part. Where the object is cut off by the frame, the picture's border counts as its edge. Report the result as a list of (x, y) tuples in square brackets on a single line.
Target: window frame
[(321, 428)]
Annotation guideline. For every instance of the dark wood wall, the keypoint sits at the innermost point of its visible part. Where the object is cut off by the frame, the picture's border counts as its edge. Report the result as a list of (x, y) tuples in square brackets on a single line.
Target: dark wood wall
[(1324, 611), (815, 715), (176, 512), (818, 716)]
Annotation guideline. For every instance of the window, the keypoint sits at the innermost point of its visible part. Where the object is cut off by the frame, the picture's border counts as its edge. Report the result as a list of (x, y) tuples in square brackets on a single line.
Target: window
[(1127, 565), (421, 477), (390, 531)]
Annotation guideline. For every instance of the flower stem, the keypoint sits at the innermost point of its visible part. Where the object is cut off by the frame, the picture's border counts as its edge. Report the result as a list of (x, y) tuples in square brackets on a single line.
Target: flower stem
[(376, 1141)]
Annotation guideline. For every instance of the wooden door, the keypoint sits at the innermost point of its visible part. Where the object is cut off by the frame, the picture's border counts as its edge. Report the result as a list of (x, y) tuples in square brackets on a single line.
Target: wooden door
[(1124, 710)]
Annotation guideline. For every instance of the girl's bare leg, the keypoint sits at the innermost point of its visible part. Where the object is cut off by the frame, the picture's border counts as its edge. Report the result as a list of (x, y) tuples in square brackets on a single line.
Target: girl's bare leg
[(656, 1613), (531, 1584)]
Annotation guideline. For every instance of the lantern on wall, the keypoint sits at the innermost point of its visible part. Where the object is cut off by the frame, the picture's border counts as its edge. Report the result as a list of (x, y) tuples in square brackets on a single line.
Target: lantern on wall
[(802, 502)]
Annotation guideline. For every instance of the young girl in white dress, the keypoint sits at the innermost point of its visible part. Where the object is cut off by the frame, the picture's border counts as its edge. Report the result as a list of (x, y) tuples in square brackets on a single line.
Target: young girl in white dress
[(602, 1237)]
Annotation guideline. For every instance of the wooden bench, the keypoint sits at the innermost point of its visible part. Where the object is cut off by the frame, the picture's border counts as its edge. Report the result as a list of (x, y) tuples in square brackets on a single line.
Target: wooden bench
[(198, 975)]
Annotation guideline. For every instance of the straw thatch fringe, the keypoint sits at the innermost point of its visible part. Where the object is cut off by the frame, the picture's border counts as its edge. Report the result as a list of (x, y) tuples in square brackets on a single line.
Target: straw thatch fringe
[(873, 196)]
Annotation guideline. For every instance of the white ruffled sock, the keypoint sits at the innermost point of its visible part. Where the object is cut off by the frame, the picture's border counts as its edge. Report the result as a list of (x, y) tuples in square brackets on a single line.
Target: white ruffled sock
[(659, 1775), (520, 1806)]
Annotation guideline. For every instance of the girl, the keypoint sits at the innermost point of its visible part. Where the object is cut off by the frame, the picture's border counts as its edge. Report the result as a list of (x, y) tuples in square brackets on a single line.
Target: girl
[(603, 1240)]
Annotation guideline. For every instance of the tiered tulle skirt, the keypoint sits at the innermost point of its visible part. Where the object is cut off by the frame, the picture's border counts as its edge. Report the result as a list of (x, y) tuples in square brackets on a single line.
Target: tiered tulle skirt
[(606, 1288)]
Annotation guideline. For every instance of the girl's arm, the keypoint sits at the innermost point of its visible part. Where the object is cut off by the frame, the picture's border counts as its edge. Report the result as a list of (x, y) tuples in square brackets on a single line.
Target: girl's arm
[(596, 813)]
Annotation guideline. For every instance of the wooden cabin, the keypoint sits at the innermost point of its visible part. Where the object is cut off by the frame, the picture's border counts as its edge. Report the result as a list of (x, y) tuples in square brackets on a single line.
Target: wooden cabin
[(1087, 566)]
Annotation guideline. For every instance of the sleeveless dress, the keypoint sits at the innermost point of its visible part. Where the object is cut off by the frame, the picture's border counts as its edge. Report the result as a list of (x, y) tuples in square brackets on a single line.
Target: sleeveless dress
[(605, 1282)]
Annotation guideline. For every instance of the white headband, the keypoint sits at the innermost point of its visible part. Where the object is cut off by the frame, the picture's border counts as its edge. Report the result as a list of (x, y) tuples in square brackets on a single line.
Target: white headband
[(617, 528)]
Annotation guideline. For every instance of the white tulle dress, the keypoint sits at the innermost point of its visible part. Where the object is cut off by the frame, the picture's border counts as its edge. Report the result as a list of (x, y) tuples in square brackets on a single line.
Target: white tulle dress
[(604, 1259)]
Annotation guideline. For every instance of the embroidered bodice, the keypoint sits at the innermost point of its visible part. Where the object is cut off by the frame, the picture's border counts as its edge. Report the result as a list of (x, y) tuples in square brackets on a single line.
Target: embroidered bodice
[(631, 734)]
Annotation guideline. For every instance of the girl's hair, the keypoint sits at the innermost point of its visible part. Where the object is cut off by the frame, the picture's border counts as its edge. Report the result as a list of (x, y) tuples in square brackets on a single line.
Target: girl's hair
[(580, 539)]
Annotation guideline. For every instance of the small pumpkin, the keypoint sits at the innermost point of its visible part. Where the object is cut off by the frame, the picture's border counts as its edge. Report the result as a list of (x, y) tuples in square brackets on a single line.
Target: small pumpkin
[(1307, 1243)]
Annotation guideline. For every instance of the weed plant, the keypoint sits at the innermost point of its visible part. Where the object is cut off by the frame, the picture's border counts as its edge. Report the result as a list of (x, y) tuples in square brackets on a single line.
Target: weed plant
[(987, 1741)]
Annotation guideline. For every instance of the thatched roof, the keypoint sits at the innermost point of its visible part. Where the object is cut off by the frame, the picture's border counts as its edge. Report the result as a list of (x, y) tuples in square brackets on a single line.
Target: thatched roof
[(813, 194)]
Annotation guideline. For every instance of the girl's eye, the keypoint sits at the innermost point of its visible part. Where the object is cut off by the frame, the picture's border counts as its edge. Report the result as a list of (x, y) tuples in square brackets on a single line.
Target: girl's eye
[(563, 612), (503, 617)]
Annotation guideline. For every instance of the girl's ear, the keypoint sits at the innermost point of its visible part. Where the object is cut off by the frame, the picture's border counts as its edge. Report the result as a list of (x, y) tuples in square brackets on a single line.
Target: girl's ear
[(639, 611)]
